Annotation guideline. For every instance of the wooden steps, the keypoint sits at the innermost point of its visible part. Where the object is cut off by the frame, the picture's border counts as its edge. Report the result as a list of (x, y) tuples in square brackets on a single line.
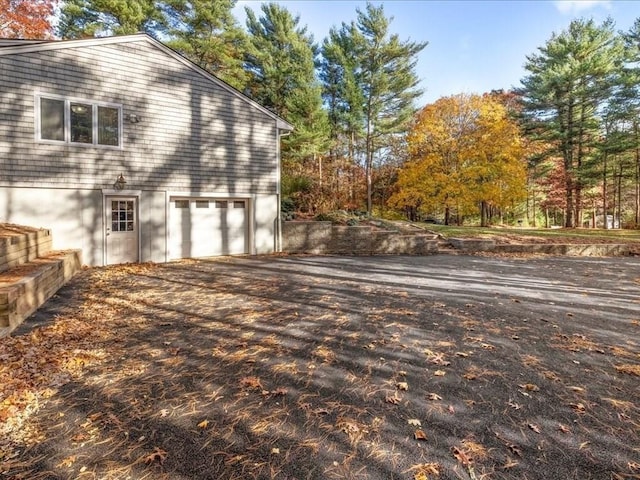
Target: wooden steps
[(30, 273)]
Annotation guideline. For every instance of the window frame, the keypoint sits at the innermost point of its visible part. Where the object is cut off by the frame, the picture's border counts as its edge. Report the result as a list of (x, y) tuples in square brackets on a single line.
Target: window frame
[(66, 122)]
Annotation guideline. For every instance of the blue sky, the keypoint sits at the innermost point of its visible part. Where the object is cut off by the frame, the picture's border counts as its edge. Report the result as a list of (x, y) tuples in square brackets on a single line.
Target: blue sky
[(474, 46)]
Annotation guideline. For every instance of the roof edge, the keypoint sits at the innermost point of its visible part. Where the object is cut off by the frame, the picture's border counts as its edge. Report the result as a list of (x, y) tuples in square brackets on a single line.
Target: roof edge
[(281, 123)]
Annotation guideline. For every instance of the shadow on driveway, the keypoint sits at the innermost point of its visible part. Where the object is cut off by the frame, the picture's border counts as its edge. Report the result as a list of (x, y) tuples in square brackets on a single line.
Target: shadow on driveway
[(439, 367)]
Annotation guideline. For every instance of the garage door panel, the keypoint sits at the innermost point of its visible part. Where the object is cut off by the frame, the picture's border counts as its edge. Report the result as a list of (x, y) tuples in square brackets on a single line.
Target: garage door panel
[(207, 227)]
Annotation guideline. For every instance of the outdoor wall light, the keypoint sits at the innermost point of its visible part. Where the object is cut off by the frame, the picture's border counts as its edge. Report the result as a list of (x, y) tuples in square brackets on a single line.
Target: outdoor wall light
[(133, 118), (120, 182)]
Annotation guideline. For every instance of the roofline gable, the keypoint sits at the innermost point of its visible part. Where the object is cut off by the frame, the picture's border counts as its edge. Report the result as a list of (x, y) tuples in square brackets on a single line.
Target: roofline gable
[(281, 124)]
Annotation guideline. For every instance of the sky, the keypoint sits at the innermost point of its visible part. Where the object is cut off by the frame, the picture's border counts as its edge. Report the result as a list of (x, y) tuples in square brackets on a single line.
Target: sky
[(474, 46)]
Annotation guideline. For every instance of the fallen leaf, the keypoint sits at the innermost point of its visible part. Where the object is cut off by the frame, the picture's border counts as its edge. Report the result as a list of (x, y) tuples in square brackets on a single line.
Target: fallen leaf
[(439, 373), (509, 463), (423, 470), (402, 386), (393, 399), (158, 455), (534, 427), (414, 422), (530, 387), (434, 396), (203, 424), (452, 410), (578, 407), (462, 457), (67, 462), (419, 435), (514, 449), (564, 428), (275, 451), (462, 354)]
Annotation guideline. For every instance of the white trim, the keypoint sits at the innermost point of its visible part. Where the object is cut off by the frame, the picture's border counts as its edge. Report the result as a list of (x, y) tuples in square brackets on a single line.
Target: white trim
[(143, 37), (67, 121)]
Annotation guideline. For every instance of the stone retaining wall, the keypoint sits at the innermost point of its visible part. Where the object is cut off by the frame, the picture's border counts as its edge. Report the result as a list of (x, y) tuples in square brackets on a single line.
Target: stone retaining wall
[(325, 238)]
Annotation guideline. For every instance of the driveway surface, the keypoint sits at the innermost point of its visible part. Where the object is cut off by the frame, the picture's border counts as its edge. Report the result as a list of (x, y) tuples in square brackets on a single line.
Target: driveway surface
[(307, 367)]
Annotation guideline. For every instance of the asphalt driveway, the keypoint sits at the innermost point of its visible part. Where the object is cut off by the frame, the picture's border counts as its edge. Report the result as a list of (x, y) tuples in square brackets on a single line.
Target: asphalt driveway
[(307, 367)]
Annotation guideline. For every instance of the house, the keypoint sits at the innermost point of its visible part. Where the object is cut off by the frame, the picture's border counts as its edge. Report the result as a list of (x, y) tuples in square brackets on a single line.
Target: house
[(128, 151)]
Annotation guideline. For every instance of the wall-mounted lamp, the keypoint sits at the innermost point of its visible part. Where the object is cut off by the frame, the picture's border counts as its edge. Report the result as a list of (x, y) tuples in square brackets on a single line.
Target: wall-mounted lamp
[(133, 118), (120, 182)]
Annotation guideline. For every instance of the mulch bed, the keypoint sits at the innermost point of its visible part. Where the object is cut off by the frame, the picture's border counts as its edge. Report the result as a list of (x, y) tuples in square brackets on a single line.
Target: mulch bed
[(336, 368)]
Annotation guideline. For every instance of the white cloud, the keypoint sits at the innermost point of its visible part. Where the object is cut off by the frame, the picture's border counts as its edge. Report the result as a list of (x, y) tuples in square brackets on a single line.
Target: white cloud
[(579, 6)]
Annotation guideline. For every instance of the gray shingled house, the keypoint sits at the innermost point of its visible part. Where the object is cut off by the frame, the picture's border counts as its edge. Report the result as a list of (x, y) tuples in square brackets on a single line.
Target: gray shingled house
[(125, 149)]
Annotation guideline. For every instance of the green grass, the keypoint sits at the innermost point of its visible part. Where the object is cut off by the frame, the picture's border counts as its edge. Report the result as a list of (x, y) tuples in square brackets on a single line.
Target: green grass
[(576, 233)]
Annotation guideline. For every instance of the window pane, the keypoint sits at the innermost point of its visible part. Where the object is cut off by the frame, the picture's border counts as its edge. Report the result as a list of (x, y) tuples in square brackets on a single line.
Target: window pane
[(238, 204), (182, 203), (108, 124), (51, 119), (81, 123), (221, 204), (202, 203)]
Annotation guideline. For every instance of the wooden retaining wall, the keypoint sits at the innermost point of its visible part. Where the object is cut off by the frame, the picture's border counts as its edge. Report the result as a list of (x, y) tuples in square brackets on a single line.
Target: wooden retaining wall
[(30, 273)]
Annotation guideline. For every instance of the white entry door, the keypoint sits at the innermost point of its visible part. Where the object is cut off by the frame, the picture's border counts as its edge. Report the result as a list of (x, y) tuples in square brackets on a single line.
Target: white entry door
[(121, 229)]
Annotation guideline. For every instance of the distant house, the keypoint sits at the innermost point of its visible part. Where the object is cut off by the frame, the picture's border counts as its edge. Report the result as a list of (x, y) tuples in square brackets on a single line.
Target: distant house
[(125, 149)]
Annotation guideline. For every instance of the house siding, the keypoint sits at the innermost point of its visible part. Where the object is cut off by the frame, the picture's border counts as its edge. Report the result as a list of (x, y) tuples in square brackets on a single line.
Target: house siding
[(196, 137)]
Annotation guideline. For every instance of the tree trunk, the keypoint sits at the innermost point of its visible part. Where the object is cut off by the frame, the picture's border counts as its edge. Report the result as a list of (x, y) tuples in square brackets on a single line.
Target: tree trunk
[(637, 179), (604, 193), (483, 214)]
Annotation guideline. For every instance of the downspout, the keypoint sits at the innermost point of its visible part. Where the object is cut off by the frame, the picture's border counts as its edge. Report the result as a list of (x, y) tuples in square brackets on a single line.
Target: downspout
[(278, 225)]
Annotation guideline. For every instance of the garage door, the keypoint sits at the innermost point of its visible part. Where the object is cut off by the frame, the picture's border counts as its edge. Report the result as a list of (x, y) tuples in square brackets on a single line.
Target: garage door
[(205, 227)]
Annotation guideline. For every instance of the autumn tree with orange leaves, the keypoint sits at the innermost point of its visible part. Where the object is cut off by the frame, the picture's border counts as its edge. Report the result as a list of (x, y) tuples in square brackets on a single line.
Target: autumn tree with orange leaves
[(465, 158), (29, 19)]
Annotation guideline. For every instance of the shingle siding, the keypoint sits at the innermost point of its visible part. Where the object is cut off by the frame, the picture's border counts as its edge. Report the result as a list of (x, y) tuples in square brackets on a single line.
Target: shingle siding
[(194, 135)]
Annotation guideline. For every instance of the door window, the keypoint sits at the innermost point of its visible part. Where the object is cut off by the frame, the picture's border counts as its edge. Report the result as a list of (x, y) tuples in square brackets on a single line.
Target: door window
[(122, 216)]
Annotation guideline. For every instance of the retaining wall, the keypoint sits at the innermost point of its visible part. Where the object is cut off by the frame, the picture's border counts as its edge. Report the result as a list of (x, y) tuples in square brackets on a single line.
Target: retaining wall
[(325, 238)]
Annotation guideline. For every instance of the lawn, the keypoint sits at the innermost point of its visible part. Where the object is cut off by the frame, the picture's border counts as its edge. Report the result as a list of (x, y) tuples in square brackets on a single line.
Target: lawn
[(304, 367), (556, 235)]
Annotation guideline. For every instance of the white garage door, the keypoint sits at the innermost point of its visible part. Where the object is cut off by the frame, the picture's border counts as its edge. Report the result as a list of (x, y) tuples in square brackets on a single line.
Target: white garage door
[(205, 227)]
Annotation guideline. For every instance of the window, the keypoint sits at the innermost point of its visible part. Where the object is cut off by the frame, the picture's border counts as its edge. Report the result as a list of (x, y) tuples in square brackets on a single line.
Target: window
[(182, 203), (122, 216), (202, 203), (221, 204), (78, 121), (238, 204)]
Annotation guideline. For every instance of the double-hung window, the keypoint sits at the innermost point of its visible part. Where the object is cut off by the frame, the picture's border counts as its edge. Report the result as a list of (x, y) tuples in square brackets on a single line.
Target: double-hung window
[(77, 121)]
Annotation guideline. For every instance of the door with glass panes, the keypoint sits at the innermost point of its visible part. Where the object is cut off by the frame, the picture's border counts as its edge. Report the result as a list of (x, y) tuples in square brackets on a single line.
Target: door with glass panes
[(121, 229)]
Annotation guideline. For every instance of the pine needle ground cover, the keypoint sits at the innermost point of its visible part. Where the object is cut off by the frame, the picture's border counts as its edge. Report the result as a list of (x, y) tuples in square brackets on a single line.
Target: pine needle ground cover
[(441, 367)]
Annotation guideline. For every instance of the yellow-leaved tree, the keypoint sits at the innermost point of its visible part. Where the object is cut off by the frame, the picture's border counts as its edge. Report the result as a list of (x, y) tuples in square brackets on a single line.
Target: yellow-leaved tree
[(465, 156)]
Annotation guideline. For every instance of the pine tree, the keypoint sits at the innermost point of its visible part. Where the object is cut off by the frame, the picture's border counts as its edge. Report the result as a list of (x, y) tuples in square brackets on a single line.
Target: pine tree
[(97, 18), (568, 84), (380, 83), (206, 32), (281, 65)]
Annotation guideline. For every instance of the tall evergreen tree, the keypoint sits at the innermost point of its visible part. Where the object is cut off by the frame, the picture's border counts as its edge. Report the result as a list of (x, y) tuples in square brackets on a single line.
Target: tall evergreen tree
[(206, 32), (344, 102), (96, 18), (281, 64), (383, 69), (568, 84)]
